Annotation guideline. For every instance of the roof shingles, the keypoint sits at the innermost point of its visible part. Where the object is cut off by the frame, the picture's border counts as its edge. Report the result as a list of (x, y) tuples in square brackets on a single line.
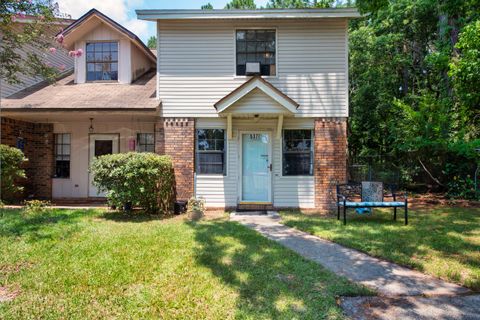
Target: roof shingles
[(64, 94)]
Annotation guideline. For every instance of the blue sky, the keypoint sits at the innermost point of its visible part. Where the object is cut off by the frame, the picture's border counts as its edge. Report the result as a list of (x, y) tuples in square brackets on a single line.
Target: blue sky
[(123, 11)]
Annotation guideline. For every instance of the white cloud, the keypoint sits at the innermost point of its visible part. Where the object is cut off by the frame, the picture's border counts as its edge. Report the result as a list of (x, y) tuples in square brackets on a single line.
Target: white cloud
[(139, 27), (118, 10)]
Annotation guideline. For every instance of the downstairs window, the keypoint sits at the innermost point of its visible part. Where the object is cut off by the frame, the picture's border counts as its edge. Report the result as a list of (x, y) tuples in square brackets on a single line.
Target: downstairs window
[(62, 155), (297, 153), (210, 156), (145, 142)]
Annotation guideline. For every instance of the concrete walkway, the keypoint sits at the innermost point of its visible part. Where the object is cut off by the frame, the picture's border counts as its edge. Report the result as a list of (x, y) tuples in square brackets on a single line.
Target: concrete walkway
[(388, 279), (418, 308)]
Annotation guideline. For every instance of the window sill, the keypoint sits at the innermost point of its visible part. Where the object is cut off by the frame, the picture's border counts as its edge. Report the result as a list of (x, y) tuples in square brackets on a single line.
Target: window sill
[(210, 175), (60, 178), (297, 176), (104, 81), (246, 77)]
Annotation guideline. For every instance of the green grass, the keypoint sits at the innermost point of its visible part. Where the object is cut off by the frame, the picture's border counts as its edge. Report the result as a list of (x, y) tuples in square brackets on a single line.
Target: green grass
[(444, 242), (79, 264)]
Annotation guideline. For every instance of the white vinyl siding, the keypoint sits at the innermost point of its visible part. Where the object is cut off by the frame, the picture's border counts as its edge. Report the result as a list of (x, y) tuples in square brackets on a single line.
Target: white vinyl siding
[(196, 65), (256, 102), (222, 191)]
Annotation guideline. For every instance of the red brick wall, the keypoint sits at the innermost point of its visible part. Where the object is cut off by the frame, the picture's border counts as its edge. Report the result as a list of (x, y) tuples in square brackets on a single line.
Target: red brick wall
[(39, 151), (330, 165), (176, 137)]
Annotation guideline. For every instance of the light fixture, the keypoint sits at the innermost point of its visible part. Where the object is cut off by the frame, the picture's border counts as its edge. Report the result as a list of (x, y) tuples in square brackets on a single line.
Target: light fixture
[(90, 129)]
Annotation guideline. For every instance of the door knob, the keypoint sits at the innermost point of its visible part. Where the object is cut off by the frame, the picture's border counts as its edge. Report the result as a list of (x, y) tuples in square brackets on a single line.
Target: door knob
[(270, 167)]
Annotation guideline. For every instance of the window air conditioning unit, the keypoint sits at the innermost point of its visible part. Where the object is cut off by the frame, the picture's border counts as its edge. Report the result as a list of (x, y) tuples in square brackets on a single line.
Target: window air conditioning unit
[(252, 68)]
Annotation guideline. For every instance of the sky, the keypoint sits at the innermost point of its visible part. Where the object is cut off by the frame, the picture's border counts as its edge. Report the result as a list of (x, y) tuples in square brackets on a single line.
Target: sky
[(123, 11)]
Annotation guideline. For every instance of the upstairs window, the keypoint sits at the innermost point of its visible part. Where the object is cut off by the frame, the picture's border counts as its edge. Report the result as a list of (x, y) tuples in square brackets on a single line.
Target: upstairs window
[(102, 61), (62, 155), (297, 152), (210, 151), (256, 46), (145, 142)]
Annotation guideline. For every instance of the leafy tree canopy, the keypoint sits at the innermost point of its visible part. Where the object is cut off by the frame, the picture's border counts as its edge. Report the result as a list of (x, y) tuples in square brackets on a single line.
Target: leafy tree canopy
[(296, 4), (152, 42), (207, 6), (241, 4), (26, 23)]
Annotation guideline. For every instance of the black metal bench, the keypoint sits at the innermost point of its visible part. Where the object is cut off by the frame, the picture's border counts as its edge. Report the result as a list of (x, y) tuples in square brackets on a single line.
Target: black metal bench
[(372, 195)]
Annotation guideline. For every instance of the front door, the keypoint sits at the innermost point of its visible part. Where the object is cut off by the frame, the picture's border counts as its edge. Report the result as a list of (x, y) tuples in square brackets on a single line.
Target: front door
[(100, 144), (256, 167)]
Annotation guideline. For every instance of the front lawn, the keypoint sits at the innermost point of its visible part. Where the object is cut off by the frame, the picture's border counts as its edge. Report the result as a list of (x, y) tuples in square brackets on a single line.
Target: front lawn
[(79, 264), (443, 241)]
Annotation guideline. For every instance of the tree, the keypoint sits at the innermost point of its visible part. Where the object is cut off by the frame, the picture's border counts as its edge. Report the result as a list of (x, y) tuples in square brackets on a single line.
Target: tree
[(35, 32), (465, 73), (207, 6), (297, 4), (408, 80), (152, 42), (241, 4)]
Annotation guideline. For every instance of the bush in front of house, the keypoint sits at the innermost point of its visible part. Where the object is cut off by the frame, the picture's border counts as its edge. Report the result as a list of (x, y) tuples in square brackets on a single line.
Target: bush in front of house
[(144, 180), (11, 160), (36, 207)]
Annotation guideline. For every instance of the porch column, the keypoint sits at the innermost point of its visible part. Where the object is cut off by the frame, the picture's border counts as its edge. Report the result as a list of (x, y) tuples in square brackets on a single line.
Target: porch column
[(330, 156), (176, 137)]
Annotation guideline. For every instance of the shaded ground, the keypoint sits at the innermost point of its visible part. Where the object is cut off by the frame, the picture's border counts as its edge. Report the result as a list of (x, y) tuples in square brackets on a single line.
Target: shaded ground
[(462, 307), (403, 293), (388, 279), (441, 241), (88, 264)]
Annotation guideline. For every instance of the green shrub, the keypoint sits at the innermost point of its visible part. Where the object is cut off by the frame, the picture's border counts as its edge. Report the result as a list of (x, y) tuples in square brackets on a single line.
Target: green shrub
[(144, 180), (35, 207), (11, 160)]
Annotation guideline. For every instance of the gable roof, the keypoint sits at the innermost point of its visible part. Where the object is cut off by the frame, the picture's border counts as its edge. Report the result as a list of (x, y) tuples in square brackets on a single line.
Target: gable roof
[(263, 85), (95, 13), (154, 14)]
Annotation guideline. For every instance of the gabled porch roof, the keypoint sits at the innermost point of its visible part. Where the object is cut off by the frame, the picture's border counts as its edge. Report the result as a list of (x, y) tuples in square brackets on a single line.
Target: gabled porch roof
[(257, 82)]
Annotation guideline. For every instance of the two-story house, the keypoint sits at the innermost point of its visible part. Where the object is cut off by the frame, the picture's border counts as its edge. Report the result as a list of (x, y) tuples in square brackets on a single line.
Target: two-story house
[(250, 104), (254, 103)]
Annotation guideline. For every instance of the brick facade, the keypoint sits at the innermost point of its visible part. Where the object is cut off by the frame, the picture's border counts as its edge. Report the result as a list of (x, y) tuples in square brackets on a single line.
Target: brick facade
[(330, 163), (176, 137), (38, 149)]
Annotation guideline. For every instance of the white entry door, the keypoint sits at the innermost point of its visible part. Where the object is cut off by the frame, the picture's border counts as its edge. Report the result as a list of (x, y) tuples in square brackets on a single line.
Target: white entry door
[(100, 144), (256, 167)]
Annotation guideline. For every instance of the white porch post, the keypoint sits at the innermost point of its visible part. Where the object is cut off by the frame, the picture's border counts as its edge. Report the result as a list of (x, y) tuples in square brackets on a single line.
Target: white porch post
[(279, 126), (229, 127)]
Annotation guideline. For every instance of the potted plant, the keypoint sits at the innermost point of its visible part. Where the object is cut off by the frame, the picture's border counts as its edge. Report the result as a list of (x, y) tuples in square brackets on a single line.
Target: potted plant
[(195, 209)]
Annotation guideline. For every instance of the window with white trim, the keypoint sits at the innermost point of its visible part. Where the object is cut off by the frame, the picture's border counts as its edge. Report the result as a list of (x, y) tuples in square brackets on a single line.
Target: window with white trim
[(210, 151), (297, 152), (62, 155), (102, 61), (256, 45)]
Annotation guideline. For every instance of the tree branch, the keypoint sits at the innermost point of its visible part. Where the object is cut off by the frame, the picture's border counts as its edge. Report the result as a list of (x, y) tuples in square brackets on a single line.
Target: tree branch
[(428, 172)]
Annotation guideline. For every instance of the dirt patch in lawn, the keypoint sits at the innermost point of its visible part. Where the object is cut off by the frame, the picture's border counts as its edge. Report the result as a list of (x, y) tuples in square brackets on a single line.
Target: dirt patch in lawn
[(427, 200), (8, 293)]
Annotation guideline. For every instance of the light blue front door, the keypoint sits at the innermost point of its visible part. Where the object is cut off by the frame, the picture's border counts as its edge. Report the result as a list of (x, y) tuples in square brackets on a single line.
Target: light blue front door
[(256, 167)]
